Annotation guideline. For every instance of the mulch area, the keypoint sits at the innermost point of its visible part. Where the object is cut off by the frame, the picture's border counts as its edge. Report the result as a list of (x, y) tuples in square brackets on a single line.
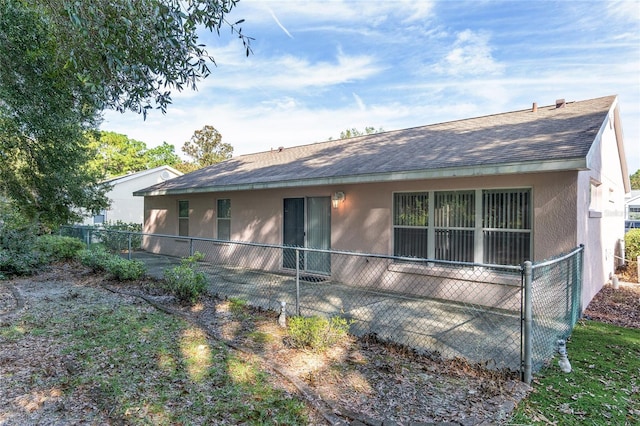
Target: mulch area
[(361, 381), (619, 307)]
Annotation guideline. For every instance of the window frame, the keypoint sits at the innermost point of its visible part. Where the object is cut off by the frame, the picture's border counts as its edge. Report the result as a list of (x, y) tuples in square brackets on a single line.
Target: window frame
[(183, 220), (223, 217), (473, 203)]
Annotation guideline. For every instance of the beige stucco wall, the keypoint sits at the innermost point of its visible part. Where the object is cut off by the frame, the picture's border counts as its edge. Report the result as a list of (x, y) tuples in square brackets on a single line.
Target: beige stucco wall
[(603, 230), (363, 222)]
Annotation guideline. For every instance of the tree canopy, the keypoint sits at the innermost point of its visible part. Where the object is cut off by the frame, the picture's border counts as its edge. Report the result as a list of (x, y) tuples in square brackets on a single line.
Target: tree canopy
[(635, 180), (63, 63), (116, 154), (206, 147), (353, 132)]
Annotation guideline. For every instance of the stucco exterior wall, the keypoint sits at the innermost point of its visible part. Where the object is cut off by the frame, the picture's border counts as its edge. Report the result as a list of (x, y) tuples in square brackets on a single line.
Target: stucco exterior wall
[(363, 223), (602, 232)]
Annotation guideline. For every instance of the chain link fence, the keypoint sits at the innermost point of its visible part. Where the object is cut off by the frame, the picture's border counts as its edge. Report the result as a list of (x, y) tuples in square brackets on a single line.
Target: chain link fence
[(444, 309), (556, 290)]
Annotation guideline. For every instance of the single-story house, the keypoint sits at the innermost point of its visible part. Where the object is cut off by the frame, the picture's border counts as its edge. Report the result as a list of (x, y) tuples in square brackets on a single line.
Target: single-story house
[(632, 206), (498, 189), (124, 206)]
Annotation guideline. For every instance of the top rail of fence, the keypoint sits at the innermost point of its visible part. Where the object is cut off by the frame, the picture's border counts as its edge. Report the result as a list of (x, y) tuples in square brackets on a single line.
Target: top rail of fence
[(514, 268)]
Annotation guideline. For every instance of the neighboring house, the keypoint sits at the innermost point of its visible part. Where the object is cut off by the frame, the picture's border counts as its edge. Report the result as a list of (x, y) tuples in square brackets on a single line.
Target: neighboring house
[(632, 206), (124, 206), (498, 189)]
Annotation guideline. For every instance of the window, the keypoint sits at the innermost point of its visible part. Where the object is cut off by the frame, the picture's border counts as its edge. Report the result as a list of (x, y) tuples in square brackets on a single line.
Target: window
[(224, 219), (410, 221), (634, 212), (183, 218), (100, 217), (506, 226), (454, 222), (490, 226)]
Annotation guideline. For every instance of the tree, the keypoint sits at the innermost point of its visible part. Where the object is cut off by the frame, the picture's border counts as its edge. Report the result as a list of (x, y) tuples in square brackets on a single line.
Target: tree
[(131, 53), (116, 154), (64, 62), (353, 132), (162, 155), (206, 148), (43, 152), (635, 180)]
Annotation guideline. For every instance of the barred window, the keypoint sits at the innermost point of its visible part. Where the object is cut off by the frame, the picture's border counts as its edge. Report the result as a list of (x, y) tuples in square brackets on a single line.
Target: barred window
[(410, 221), (454, 223), (506, 226), (490, 226)]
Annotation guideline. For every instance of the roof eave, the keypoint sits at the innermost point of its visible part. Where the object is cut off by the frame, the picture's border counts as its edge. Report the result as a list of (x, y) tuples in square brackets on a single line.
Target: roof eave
[(441, 173)]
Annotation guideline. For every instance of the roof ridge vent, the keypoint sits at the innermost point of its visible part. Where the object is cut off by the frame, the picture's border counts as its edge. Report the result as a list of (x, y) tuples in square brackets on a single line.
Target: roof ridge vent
[(560, 103)]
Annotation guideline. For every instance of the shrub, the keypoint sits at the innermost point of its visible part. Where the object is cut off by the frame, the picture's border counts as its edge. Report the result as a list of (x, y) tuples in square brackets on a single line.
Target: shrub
[(124, 269), (95, 258), (17, 241), (184, 282), (99, 259), (317, 333), (55, 247), (632, 244), (16, 263), (116, 241)]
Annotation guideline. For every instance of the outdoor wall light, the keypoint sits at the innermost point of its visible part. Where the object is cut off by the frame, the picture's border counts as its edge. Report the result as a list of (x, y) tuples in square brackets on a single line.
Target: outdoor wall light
[(337, 198)]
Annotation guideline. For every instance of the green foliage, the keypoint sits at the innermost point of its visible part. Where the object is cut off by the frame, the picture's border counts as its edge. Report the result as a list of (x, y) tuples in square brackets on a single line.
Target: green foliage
[(17, 240), (124, 269), (63, 63), (602, 387), (43, 114), (130, 54), (114, 235), (317, 333), (96, 258), (12, 263), (632, 244), (115, 154), (99, 259), (237, 305), (635, 180), (184, 282), (353, 132), (206, 147), (56, 247)]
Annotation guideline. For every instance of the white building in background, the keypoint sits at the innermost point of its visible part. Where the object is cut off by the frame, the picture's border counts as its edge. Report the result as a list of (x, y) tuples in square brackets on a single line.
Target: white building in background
[(124, 206)]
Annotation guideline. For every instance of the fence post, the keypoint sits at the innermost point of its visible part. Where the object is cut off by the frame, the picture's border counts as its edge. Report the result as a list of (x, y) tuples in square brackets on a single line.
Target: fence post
[(527, 338), (129, 246), (298, 282), (190, 247)]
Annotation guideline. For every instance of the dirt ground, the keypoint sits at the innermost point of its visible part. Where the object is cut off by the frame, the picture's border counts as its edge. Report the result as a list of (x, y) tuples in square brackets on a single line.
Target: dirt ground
[(361, 381)]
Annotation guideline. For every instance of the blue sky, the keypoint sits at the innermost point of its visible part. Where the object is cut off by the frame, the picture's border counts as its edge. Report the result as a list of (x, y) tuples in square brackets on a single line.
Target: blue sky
[(320, 67)]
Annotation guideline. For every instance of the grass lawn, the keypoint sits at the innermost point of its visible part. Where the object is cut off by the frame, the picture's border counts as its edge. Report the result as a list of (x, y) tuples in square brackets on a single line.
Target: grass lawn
[(602, 389), (142, 366)]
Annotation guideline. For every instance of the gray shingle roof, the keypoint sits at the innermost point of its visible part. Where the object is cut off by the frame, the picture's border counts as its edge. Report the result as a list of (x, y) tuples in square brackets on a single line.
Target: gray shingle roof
[(509, 142)]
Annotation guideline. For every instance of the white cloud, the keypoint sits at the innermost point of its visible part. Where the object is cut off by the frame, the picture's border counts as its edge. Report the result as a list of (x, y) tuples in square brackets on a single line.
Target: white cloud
[(625, 10), (359, 102), (470, 55)]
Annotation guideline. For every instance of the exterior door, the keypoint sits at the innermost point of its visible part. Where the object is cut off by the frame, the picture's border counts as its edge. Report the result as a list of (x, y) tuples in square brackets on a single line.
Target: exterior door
[(307, 223)]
